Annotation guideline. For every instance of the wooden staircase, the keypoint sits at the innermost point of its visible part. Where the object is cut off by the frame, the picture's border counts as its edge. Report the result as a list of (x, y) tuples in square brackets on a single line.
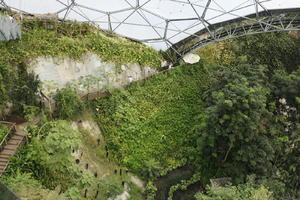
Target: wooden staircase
[(14, 141), (11, 147)]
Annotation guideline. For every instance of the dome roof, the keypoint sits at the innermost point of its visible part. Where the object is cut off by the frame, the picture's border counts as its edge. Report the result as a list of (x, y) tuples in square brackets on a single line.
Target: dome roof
[(158, 23)]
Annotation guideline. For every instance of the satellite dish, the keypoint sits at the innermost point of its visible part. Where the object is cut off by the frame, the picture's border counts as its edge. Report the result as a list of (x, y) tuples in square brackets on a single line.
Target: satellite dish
[(191, 58)]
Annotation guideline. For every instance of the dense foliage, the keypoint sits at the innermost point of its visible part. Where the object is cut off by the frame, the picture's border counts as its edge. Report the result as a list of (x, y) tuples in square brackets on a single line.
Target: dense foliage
[(151, 122), (111, 187), (44, 38), (45, 166), (277, 51), (233, 120), (68, 103), (50, 144), (251, 115), (3, 131), (29, 188), (233, 114), (247, 191), (235, 124)]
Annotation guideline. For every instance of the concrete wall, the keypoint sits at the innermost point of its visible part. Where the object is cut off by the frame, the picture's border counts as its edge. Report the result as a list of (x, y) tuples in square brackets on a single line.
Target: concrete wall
[(90, 74), (9, 29)]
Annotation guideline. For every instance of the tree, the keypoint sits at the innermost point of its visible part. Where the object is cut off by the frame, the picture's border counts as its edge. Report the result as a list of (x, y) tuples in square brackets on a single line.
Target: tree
[(234, 127), (24, 90), (286, 92), (151, 169), (68, 103), (276, 50), (49, 154)]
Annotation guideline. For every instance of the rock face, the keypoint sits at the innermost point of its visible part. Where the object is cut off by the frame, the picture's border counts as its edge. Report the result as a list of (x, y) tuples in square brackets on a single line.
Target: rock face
[(90, 74), (138, 182)]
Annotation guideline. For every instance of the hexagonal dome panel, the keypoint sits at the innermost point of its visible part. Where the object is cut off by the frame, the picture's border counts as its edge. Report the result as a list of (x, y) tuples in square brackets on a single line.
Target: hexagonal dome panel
[(158, 23)]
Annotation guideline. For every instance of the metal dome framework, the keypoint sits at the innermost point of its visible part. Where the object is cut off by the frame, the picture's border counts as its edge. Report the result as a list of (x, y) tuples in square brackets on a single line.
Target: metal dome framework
[(179, 25)]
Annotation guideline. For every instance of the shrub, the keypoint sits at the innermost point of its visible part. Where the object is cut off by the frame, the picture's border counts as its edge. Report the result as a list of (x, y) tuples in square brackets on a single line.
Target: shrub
[(26, 187), (68, 103), (247, 191), (111, 187), (3, 132), (30, 112), (48, 154), (150, 191)]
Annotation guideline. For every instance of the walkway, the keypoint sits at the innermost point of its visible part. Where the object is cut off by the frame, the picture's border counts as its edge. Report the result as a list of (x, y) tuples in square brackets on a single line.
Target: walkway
[(13, 144)]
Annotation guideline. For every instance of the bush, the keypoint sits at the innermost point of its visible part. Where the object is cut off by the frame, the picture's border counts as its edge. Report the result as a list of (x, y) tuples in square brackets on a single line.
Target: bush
[(68, 103), (24, 90), (111, 187), (30, 112), (247, 191), (48, 155), (151, 169), (3, 132), (26, 187), (150, 191)]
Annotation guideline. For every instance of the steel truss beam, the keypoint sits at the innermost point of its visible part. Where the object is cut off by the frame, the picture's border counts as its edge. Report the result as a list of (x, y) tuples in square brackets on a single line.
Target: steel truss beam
[(268, 21), (200, 18)]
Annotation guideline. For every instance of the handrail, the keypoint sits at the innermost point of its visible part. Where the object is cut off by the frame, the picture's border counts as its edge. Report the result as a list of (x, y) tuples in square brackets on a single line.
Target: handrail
[(268, 21), (8, 134)]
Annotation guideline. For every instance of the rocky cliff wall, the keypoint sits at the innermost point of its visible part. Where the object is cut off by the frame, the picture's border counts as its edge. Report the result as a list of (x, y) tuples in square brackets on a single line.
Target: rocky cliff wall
[(89, 74)]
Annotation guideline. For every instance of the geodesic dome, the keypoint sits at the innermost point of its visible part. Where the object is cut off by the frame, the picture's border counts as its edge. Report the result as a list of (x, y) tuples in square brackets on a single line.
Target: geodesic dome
[(158, 23)]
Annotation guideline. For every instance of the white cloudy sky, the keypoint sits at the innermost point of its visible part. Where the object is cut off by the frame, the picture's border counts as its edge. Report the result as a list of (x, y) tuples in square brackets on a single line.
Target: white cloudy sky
[(154, 12)]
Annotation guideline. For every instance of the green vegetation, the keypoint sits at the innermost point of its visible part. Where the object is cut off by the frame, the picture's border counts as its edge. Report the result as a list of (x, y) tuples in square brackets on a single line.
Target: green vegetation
[(183, 185), (136, 193), (232, 120), (42, 38), (68, 103), (150, 191), (51, 38), (50, 144), (234, 114), (29, 188), (236, 120), (45, 166), (152, 121), (277, 51), (247, 191), (3, 132), (165, 183), (110, 187)]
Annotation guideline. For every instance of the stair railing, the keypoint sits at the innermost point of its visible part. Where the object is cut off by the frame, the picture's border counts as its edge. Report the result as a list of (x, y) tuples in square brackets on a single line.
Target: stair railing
[(9, 133)]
